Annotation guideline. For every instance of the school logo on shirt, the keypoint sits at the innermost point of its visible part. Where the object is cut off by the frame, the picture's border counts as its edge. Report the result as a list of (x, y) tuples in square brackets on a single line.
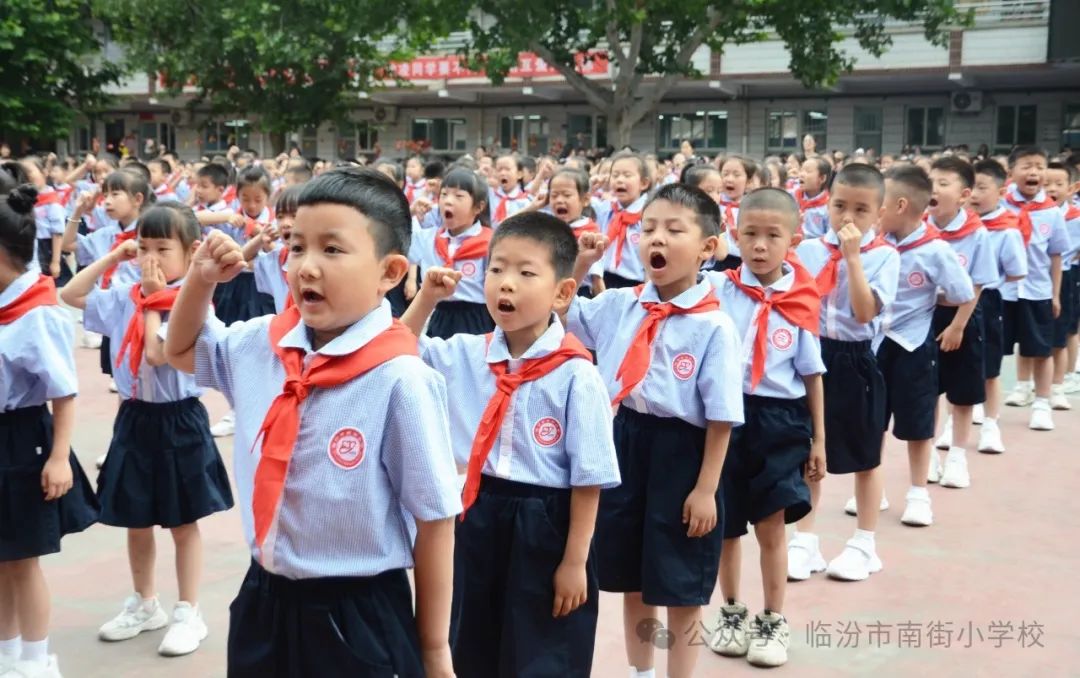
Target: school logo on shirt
[(683, 366), (782, 339), (635, 238), (468, 269), (346, 448), (963, 259), (916, 279), (547, 432), (1044, 228)]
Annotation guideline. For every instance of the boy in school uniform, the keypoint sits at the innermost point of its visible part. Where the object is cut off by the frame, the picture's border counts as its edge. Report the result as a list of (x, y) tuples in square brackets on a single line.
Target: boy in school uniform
[(907, 351), (776, 308), (961, 369), (665, 351), (856, 273), (1061, 185), (538, 448), (1007, 243), (350, 478), (813, 196), (1031, 304)]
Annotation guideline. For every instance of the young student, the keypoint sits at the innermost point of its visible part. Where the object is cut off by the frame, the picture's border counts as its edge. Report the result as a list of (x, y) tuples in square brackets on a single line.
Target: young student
[(856, 273), (44, 487), (813, 196), (507, 197), (736, 172), (776, 309), (462, 244), (95, 215), (160, 171), (665, 351), (907, 348), (1061, 185), (270, 251), (1031, 304), (49, 217), (1007, 243), (163, 468), (346, 446), (211, 208), (705, 177), (434, 172), (620, 219), (538, 452), (415, 183), (568, 197), (958, 328)]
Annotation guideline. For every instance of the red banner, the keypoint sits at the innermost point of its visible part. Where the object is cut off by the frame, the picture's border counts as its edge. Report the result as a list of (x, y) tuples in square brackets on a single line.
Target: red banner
[(529, 66)]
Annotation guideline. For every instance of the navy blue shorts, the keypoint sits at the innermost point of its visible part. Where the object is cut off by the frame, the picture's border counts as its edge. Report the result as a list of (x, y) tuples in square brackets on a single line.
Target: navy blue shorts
[(339, 627), (911, 387), (763, 470), (459, 317), (506, 551), (163, 467), (961, 373), (641, 543), (1066, 320), (29, 525), (239, 299), (990, 305), (854, 406), (614, 281), (1029, 324), (44, 250), (104, 357), (730, 262), (1075, 327)]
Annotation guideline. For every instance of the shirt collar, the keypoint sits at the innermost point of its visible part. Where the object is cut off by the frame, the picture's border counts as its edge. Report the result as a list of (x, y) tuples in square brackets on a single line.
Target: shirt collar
[(687, 299), (18, 286), (633, 207), (783, 284), (350, 341), (498, 351), (955, 224), (830, 237), (994, 213), (1019, 197), (130, 227), (912, 237), (467, 233)]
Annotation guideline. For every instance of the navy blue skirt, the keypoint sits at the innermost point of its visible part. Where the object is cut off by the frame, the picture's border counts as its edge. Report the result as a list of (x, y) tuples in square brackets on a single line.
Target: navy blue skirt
[(239, 299), (44, 249), (163, 467), (459, 317), (29, 525)]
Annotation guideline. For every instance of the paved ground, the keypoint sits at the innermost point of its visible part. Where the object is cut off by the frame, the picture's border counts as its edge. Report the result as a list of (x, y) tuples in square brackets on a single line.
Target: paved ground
[(953, 597)]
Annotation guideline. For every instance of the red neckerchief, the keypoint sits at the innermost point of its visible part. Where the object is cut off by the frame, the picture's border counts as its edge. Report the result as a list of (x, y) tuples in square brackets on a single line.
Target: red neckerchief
[(229, 195), (48, 197), (120, 239), (1005, 221), (620, 223), (972, 223), (584, 225), (41, 293), (930, 234), (1073, 212), (134, 337), (473, 247), (819, 200), (504, 199), (1027, 228), (829, 275)]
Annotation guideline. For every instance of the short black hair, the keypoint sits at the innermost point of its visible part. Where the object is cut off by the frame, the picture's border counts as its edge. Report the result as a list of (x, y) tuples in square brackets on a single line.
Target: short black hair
[(17, 227), (136, 166), (161, 162), (695, 174), (302, 172), (434, 170), (464, 179), (285, 204), (170, 220), (1025, 152), (772, 200), (957, 166), (545, 229), (218, 175), (132, 182), (706, 209), (860, 175), (371, 193), (824, 168), (748, 165), (1069, 170), (254, 175), (915, 182), (992, 169)]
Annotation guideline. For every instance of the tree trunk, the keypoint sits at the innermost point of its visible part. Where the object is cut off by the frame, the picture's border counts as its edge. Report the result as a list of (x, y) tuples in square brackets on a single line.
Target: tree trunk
[(620, 128), (277, 142)]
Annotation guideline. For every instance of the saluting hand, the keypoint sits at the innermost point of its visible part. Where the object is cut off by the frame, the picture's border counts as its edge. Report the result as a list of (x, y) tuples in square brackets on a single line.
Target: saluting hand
[(219, 258)]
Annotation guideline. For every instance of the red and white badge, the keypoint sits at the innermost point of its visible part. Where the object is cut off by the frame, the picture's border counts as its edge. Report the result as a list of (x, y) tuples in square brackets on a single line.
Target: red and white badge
[(346, 448), (683, 366), (635, 238), (963, 259), (468, 269), (547, 432), (1044, 228), (916, 279), (782, 339)]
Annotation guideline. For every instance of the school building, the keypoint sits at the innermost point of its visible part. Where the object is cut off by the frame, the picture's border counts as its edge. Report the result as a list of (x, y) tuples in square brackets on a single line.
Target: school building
[(1011, 77)]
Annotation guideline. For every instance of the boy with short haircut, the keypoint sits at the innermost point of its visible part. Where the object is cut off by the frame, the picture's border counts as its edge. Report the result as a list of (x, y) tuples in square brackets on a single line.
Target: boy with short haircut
[(930, 272), (856, 273), (1061, 186), (776, 308), (343, 445), (1031, 304), (539, 450), (961, 368), (813, 196), (1008, 246), (665, 351)]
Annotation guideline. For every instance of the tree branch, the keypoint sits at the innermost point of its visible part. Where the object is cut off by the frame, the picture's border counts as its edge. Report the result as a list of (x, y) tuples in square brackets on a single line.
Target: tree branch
[(594, 93), (611, 29)]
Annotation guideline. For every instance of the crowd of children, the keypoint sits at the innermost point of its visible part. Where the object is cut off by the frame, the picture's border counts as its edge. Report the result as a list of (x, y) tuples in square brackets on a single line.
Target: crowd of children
[(525, 382)]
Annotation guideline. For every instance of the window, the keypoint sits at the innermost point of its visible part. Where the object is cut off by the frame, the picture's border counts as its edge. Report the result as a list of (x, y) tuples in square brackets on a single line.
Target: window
[(1015, 127), (218, 136), (533, 130), (925, 126), (814, 123), (309, 142), (581, 132), (868, 126), (442, 134), (703, 129), (356, 137), (84, 136), (161, 132), (783, 130), (1070, 131)]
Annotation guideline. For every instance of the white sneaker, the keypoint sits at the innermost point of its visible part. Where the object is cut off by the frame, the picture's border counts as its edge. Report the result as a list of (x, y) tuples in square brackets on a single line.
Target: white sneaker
[(1058, 399), (934, 474), (225, 427), (1072, 382), (100, 461), (990, 438), (852, 509), (804, 556), (112, 386), (978, 415), (1041, 419), (136, 617), (917, 512), (944, 441), (856, 562), (955, 473), (91, 340), (28, 669), (1020, 396), (769, 640), (185, 632), (731, 635)]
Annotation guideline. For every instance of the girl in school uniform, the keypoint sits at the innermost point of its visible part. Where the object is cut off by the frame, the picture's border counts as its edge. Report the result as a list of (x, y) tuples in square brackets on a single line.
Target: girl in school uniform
[(49, 219), (736, 173), (568, 199), (269, 252), (163, 468), (241, 299), (707, 178), (620, 219), (507, 197), (45, 494), (460, 243)]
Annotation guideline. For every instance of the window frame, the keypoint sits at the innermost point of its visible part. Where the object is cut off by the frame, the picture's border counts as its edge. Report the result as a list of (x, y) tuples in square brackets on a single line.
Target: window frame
[(801, 115), (880, 131), (704, 117), (528, 122), (370, 135), (451, 123), (1004, 146), (923, 145)]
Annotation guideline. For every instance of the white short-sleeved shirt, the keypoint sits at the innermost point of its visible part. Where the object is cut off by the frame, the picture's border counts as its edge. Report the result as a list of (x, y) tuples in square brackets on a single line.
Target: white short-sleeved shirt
[(597, 269), (729, 217), (792, 352), (815, 222), (517, 200), (1049, 237), (270, 275), (882, 268), (90, 248), (237, 234), (49, 218), (337, 516), (1009, 250), (422, 251), (973, 250), (557, 429), (694, 373), (630, 265), (37, 352), (1072, 226)]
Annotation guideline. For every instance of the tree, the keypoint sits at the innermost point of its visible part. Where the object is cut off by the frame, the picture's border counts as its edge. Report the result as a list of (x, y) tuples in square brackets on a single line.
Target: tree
[(657, 38), (50, 66), (290, 63)]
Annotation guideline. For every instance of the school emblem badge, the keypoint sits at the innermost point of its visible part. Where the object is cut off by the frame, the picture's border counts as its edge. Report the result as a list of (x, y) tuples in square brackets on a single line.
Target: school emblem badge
[(346, 448), (635, 238), (547, 432), (781, 339), (468, 269), (916, 279), (683, 366), (963, 259), (1044, 228)]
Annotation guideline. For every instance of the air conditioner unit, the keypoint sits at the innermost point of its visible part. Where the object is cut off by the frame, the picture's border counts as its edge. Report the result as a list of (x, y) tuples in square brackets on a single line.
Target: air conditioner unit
[(966, 101), (384, 115)]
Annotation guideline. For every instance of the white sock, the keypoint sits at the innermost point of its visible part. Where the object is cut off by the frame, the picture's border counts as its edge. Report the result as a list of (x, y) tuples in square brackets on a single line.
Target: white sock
[(1042, 401), (990, 420), (920, 492), (12, 648), (648, 673), (865, 536), (955, 451), (1027, 385), (36, 651)]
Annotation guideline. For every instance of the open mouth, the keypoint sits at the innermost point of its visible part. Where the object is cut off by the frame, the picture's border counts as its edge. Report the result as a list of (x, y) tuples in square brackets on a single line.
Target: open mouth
[(1032, 182), (657, 261), (311, 297), (561, 211), (505, 306), (933, 202), (448, 214)]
